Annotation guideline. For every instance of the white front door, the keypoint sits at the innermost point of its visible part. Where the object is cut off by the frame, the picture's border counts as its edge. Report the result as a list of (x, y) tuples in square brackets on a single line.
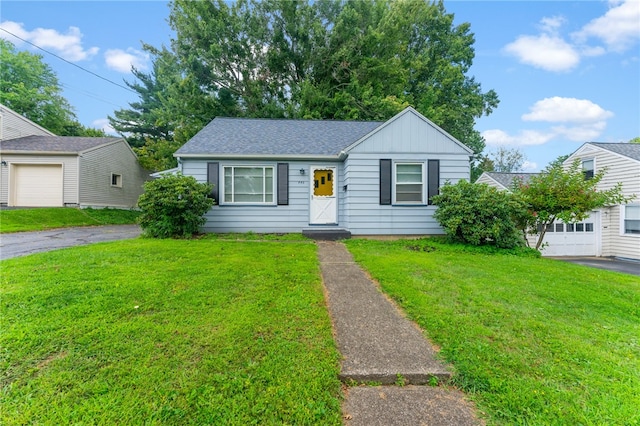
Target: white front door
[(323, 206)]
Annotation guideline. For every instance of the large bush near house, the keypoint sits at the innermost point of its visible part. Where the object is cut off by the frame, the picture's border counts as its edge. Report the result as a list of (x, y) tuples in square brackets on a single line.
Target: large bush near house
[(479, 214), (173, 206)]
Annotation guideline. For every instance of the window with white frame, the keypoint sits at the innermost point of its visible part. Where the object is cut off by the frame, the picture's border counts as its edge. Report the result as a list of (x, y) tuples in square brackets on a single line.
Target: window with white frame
[(588, 168), (631, 219), (248, 184), (409, 183)]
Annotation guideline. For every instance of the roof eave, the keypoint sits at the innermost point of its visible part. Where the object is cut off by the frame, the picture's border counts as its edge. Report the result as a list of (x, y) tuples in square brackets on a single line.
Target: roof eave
[(270, 157), (23, 152)]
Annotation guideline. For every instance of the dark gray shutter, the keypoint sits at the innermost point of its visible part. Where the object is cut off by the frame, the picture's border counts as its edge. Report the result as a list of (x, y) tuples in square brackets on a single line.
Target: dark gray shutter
[(213, 177), (433, 178), (283, 184), (385, 182)]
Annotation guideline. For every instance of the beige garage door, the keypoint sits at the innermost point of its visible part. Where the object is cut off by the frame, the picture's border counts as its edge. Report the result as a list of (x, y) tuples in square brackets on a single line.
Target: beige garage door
[(36, 185)]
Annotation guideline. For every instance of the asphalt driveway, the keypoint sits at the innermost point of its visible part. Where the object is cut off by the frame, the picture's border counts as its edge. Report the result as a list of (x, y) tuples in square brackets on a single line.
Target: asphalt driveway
[(608, 263), (24, 243)]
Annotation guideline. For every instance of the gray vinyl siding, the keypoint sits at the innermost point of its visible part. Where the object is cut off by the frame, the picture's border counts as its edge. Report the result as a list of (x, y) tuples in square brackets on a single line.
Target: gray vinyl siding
[(362, 210), (14, 125), (69, 169), (409, 134), (618, 169), (293, 217), (96, 168)]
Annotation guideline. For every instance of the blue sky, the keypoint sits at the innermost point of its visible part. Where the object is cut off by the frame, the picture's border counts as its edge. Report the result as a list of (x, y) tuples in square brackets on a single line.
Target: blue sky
[(566, 72)]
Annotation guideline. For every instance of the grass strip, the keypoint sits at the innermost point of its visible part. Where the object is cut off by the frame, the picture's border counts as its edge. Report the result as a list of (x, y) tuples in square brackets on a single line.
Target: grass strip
[(40, 219), (533, 341), (168, 332)]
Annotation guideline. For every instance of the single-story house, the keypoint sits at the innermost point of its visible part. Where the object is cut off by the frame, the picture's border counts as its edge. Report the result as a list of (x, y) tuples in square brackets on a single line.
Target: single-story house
[(14, 125), (56, 171), (362, 178), (612, 231)]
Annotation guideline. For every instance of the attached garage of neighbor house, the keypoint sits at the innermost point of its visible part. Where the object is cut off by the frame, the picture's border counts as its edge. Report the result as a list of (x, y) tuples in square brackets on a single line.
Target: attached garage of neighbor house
[(572, 239), (36, 185)]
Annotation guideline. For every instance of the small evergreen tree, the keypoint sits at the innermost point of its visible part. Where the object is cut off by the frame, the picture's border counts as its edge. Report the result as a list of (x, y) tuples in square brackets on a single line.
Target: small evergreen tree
[(173, 206)]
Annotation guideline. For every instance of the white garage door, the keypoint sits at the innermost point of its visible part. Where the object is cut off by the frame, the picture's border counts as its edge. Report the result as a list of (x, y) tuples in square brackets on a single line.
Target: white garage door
[(571, 239), (36, 185)]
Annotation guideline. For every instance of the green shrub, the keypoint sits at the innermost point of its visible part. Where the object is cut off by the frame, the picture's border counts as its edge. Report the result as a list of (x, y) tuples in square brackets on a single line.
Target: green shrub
[(479, 214), (173, 206)]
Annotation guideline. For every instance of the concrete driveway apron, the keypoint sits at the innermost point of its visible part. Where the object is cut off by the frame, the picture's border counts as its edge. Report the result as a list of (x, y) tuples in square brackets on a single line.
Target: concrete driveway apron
[(24, 243)]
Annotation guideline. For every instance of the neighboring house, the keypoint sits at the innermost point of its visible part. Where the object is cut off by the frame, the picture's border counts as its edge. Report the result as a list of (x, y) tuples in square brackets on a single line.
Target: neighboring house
[(504, 181), (14, 125), (49, 171), (616, 228), (611, 231), (363, 178)]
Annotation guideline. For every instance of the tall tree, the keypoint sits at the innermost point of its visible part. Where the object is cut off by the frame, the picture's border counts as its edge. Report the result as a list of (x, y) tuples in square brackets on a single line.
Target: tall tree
[(508, 160), (142, 121), (171, 105), (364, 59), (30, 87), (324, 59)]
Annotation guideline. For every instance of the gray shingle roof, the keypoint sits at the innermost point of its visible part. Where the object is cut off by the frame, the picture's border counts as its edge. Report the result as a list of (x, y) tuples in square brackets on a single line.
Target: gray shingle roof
[(53, 144), (631, 150), (247, 136), (506, 179)]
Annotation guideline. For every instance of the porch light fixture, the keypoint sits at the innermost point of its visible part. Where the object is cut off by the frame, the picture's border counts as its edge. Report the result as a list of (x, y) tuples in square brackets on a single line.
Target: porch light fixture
[(4, 163), (302, 171)]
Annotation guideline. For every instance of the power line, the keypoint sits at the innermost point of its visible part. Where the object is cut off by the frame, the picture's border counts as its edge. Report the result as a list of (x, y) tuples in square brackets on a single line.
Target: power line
[(70, 63)]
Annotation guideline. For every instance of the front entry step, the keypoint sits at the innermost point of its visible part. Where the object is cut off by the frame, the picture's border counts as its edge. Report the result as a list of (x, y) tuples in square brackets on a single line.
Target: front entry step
[(327, 234)]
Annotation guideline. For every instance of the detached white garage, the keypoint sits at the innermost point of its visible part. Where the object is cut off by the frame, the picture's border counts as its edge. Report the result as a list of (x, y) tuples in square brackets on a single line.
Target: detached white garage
[(57, 171), (36, 185)]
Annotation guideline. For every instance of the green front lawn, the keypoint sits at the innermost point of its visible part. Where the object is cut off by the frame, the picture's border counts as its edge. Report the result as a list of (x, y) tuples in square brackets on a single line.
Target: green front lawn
[(168, 332), (533, 341), (20, 220)]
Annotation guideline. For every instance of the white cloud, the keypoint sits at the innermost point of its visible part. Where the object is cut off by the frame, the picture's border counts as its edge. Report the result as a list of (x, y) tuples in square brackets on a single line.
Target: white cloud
[(67, 45), (122, 61), (619, 28), (552, 24), (545, 51), (103, 124), (496, 137), (579, 120), (558, 109), (529, 166), (583, 133)]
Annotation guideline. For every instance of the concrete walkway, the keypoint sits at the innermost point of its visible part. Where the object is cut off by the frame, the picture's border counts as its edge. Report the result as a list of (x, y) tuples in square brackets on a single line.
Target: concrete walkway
[(24, 243), (378, 344)]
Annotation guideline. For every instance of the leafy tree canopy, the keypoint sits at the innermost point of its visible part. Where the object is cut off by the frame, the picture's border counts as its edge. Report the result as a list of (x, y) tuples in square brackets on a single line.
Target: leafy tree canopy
[(325, 59), (503, 160), (31, 88), (564, 194)]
